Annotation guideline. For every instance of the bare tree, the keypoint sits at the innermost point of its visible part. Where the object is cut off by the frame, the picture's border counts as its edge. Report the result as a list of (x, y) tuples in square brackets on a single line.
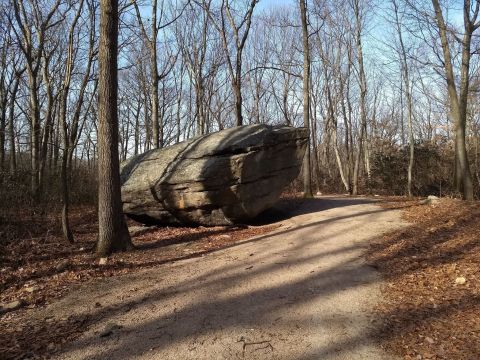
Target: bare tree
[(193, 36), (332, 77), (11, 119), (112, 229), (307, 178), (459, 97), (158, 23), (70, 131), (358, 11), (6, 82), (236, 27), (408, 94), (30, 31)]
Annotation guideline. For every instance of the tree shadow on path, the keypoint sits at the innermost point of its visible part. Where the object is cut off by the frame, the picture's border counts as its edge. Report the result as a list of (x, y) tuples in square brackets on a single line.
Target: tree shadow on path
[(209, 305)]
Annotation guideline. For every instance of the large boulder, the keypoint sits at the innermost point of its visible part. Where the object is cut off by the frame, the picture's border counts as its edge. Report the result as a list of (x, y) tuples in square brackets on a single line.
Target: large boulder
[(221, 178)]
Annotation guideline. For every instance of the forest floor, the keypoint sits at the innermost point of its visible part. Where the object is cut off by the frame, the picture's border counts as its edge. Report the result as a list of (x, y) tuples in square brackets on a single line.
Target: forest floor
[(37, 267), (302, 290), (428, 306), (431, 306)]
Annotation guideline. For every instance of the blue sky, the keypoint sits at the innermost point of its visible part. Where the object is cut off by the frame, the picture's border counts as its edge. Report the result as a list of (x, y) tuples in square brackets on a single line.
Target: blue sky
[(266, 4)]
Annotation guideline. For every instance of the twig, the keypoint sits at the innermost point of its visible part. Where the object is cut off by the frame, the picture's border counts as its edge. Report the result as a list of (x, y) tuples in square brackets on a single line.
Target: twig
[(245, 344)]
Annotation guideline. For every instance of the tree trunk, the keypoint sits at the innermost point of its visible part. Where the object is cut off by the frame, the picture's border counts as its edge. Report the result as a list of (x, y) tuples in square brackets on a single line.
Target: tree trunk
[(48, 124), (67, 232), (348, 172), (411, 142), (35, 136), (332, 116), (339, 159), (178, 114), (307, 178), (157, 139), (408, 95), (3, 127), (238, 101), (11, 126), (155, 120), (112, 229), (458, 102), (137, 127), (316, 164), (363, 97), (199, 105)]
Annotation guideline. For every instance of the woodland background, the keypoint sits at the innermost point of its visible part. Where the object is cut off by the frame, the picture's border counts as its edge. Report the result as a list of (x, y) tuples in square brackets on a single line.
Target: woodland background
[(379, 101)]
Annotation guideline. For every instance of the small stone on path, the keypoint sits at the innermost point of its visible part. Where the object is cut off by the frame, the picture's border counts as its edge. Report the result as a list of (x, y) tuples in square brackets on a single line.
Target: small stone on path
[(138, 230), (11, 306), (109, 329)]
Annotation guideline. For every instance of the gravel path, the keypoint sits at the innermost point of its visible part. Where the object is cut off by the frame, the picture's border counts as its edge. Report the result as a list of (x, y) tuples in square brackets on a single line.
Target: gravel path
[(303, 292)]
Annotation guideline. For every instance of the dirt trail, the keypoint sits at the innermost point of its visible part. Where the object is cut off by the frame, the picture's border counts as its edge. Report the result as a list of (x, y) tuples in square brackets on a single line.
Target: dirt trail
[(304, 292)]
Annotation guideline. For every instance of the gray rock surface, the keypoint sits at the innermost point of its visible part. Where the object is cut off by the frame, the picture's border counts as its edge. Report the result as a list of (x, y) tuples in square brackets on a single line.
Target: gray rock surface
[(216, 179), (139, 230)]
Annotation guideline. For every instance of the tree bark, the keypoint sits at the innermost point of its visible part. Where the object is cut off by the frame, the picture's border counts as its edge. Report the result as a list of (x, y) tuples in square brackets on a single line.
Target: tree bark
[(155, 120), (238, 102), (3, 109), (34, 135), (458, 102), (112, 229), (307, 178), (363, 96), (408, 95), (11, 125)]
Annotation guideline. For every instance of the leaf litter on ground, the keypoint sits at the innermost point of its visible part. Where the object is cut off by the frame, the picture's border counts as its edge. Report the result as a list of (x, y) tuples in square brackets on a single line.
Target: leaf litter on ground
[(431, 307)]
